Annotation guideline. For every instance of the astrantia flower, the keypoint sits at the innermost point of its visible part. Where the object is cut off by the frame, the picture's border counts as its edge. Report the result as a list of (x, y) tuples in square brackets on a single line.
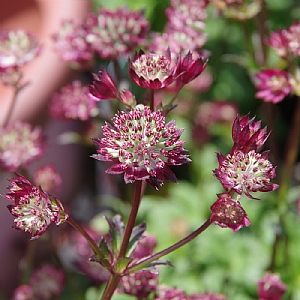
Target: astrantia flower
[(271, 287), (228, 213), (103, 87), (272, 84), (140, 284), (47, 177), (292, 35), (47, 282), (170, 293), (190, 13), (246, 172), (34, 209), (116, 33), (191, 66), (207, 296), (20, 144), (71, 44), (247, 134), (179, 42), (23, 292), (142, 145), (73, 102), (17, 47), (154, 71), (279, 42)]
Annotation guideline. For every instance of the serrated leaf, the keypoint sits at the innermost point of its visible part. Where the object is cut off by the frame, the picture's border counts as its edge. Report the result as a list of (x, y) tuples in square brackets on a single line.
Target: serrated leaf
[(137, 233), (122, 264), (104, 248)]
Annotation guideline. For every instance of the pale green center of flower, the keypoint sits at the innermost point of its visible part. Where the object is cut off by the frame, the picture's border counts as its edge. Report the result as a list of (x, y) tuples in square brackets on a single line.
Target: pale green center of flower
[(152, 66)]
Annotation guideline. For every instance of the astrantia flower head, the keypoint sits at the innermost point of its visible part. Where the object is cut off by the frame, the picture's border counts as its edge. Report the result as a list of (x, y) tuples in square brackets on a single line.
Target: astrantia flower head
[(247, 134), (17, 47), (71, 44), (179, 42), (279, 42), (20, 144), (169, 293), (154, 71), (142, 145), (103, 87), (246, 172), (292, 35), (47, 282), (23, 292), (272, 84), (73, 102), (190, 13), (271, 287), (116, 33), (47, 177), (140, 284), (228, 213), (33, 208)]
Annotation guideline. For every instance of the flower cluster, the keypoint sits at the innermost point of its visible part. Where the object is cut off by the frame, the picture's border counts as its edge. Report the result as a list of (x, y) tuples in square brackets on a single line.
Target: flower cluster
[(45, 283), (17, 48), (33, 208), (20, 144), (184, 28), (142, 146), (73, 103), (243, 171), (274, 85)]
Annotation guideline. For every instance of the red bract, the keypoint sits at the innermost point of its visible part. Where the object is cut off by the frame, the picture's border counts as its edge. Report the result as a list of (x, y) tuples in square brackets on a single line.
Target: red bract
[(103, 87), (153, 71), (191, 67), (247, 134), (228, 213), (272, 84), (33, 208), (141, 145)]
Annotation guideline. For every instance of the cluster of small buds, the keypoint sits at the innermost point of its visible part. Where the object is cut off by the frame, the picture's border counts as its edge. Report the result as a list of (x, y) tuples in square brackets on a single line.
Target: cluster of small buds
[(47, 282), (33, 208), (184, 28), (142, 145), (207, 296), (116, 33), (47, 178), (73, 102), (165, 292), (20, 144), (270, 287), (243, 171)]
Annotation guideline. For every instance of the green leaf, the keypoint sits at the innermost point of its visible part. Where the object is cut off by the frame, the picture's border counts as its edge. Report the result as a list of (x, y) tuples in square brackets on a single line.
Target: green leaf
[(136, 234)]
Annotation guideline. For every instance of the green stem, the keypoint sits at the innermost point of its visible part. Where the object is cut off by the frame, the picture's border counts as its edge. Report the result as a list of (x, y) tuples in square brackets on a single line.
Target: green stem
[(151, 96), (91, 242), (111, 286), (132, 217), (170, 249)]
